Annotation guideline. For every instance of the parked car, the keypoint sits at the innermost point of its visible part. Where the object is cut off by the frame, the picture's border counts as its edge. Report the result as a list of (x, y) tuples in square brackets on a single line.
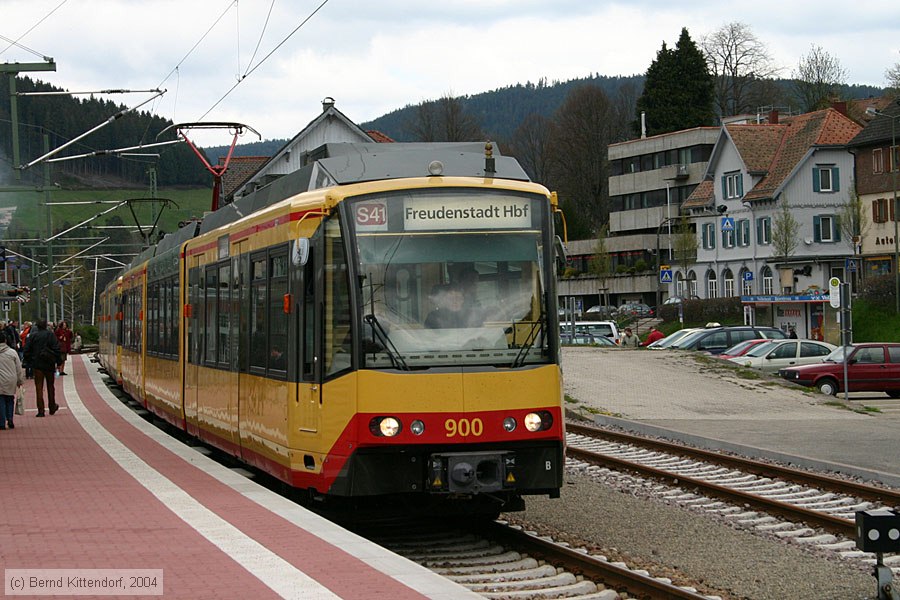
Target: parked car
[(871, 367), (607, 329), (742, 348), (634, 309), (716, 339), (773, 355), (600, 312), (679, 299), (585, 339), (672, 338)]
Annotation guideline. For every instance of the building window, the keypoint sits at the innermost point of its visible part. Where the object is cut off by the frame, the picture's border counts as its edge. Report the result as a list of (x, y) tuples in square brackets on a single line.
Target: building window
[(709, 236), (728, 281), (764, 231), (826, 178), (895, 157), (732, 185), (712, 285), (742, 229), (767, 283), (728, 238), (877, 161), (881, 210), (826, 229)]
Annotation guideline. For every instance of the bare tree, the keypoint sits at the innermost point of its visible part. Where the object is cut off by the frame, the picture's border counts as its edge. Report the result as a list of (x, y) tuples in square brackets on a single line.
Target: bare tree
[(738, 61), (818, 79), (853, 219), (685, 245), (784, 231), (584, 126), (892, 74), (601, 262), (444, 120), (530, 144)]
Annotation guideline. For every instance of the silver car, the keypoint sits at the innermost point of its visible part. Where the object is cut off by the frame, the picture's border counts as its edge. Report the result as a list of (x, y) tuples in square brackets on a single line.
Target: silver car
[(769, 357)]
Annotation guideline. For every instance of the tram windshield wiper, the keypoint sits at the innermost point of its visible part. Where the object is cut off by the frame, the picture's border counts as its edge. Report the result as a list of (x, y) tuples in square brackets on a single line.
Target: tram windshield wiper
[(389, 348), (529, 343)]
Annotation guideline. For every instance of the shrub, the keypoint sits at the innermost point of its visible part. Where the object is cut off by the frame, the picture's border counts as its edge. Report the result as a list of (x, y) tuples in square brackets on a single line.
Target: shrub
[(879, 291), (89, 333)]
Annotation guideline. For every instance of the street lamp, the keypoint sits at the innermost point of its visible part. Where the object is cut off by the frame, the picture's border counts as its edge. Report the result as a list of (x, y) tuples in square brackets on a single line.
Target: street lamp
[(894, 167)]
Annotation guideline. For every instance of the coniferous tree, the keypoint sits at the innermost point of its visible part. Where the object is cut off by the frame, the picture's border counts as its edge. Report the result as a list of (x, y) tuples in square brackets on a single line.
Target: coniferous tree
[(678, 92)]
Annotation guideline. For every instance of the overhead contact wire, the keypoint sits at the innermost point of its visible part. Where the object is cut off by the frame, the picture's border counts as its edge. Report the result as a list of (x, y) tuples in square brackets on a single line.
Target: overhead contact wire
[(265, 58)]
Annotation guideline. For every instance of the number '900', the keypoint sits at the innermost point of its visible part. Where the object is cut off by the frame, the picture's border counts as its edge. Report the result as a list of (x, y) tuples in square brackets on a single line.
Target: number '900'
[(463, 427)]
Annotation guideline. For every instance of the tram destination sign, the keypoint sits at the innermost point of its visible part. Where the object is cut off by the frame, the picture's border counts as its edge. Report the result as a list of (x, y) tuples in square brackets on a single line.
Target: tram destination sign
[(445, 213), (427, 214)]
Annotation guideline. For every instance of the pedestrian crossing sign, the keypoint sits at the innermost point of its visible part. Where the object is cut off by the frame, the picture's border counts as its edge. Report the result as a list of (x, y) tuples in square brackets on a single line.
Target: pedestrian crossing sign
[(727, 223), (665, 274)]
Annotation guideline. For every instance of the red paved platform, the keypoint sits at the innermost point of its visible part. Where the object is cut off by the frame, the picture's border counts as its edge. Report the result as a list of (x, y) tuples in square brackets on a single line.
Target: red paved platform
[(95, 487)]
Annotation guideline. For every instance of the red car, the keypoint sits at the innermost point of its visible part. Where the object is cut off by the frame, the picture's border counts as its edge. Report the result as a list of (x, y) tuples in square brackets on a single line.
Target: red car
[(871, 367)]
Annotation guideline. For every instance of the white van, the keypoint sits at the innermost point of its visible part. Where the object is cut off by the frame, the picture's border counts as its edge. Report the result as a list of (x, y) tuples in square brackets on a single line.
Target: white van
[(596, 328)]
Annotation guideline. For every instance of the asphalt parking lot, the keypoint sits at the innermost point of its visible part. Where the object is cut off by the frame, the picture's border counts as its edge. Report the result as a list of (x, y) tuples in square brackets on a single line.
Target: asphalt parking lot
[(701, 397)]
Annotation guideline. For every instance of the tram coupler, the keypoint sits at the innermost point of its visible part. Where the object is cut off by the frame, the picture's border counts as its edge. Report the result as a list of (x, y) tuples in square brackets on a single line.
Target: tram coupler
[(878, 531)]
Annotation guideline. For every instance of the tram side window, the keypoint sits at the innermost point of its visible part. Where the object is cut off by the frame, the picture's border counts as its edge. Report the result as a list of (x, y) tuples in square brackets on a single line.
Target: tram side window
[(278, 319), (152, 318), (209, 326), (258, 350), (193, 341), (174, 318), (224, 316)]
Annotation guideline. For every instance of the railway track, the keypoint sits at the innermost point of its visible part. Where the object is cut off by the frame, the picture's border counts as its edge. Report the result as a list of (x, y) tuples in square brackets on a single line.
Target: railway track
[(708, 480), (500, 561)]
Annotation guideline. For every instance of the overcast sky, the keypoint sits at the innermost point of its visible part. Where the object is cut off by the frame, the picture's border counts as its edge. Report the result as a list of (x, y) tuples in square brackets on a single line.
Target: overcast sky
[(374, 56)]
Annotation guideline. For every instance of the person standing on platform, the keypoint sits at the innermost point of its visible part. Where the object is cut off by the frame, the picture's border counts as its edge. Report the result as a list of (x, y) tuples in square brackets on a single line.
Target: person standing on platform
[(64, 337), (26, 331), (42, 353), (11, 377)]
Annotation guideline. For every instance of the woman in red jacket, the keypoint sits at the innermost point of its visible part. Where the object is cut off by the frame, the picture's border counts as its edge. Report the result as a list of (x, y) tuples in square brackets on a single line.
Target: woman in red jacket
[(64, 335)]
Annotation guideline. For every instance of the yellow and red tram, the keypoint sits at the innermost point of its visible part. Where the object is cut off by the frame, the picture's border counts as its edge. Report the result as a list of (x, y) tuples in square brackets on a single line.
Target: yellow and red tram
[(306, 328)]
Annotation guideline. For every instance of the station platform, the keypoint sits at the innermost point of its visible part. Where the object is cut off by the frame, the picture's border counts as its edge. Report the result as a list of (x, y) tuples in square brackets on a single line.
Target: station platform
[(96, 493)]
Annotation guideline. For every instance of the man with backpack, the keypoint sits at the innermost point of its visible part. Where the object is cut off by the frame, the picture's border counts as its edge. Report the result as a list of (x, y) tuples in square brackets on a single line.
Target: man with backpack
[(42, 353)]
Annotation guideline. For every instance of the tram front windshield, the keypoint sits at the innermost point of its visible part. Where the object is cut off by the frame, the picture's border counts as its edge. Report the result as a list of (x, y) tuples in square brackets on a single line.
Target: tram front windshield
[(451, 278)]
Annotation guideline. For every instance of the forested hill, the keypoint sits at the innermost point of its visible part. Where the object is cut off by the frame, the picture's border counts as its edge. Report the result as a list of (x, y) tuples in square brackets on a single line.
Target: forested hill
[(501, 111), (64, 117)]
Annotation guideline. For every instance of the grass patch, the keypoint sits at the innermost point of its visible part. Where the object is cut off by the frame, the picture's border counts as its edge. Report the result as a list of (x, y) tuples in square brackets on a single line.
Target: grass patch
[(836, 404), (867, 409), (569, 399), (747, 373)]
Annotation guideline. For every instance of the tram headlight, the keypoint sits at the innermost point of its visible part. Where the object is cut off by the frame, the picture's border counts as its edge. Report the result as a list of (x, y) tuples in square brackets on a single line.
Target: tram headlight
[(539, 421), (417, 427), (384, 426), (509, 424)]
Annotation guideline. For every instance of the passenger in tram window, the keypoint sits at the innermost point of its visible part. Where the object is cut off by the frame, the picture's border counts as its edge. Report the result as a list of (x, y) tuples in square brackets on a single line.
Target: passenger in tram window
[(277, 359)]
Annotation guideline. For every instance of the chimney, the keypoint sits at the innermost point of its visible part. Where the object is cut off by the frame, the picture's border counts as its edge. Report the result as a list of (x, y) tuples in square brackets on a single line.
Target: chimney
[(327, 103), (840, 106), (643, 124), (773, 117)]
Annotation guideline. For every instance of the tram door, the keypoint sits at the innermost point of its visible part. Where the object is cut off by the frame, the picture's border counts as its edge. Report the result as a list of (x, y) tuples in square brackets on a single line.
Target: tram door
[(309, 392)]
